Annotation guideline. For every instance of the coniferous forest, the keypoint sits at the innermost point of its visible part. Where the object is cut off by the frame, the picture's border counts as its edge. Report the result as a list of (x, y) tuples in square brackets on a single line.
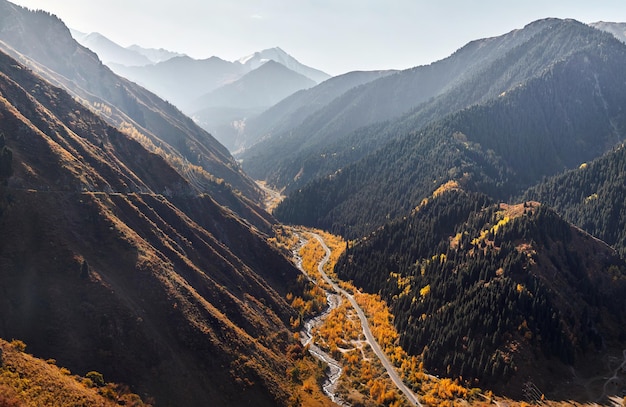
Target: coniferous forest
[(467, 280)]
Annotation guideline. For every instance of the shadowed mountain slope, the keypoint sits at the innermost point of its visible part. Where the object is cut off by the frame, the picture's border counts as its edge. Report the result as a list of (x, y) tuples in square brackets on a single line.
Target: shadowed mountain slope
[(101, 270)]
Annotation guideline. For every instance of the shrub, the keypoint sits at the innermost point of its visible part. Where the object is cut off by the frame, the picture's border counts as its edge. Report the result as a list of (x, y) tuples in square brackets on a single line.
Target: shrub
[(96, 378)]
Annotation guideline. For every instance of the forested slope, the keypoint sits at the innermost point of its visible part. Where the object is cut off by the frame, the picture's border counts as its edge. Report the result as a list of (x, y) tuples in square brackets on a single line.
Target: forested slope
[(494, 293), (592, 197), (572, 113), (360, 121)]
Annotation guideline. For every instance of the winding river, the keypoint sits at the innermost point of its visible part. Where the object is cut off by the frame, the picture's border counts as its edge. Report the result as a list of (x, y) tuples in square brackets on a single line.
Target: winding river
[(329, 386)]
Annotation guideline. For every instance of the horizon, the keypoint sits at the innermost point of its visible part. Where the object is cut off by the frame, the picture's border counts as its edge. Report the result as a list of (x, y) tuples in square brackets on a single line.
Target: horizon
[(368, 36)]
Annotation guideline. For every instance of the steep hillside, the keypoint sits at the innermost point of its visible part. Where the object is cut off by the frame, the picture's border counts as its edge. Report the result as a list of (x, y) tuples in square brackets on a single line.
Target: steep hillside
[(290, 113), (496, 294), (111, 260), (477, 73), (573, 112), (591, 196), (44, 44)]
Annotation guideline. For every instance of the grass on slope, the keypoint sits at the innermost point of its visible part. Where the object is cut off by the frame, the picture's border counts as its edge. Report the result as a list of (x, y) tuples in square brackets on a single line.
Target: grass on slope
[(29, 381)]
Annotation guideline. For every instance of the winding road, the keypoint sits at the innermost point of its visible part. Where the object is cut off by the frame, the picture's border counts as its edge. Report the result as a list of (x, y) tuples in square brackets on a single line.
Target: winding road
[(412, 397)]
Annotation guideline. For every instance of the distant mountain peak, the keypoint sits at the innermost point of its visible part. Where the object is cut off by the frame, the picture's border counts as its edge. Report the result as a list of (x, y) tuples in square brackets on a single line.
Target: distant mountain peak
[(110, 52), (253, 61), (264, 54)]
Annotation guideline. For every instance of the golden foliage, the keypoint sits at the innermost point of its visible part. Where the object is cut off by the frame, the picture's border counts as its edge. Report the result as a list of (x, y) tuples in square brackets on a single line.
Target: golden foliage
[(28, 381), (448, 186)]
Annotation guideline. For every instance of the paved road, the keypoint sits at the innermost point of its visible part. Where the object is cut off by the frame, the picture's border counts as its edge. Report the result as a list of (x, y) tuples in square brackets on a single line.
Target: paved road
[(412, 397)]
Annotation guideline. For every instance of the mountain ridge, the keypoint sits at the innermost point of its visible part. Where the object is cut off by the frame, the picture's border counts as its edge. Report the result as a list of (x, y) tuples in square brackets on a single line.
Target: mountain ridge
[(252, 93), (384, 100), (101, 270), (202, 76), (154, 122), (492, 146)]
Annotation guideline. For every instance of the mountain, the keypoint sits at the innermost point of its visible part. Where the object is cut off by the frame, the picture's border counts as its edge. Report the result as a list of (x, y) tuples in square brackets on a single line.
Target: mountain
[(155, 55), (290, 112), (222, 95), (570, 112), (332, 130), (591, 196), (108, 51), (496, 294), (181, 80), (254, 61), (338, 134), (261, 87), (44, 44), (112, 261), (617, 29), (252, 93)]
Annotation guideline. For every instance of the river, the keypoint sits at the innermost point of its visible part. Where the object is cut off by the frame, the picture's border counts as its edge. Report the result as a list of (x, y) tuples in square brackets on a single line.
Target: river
[(333, 373)]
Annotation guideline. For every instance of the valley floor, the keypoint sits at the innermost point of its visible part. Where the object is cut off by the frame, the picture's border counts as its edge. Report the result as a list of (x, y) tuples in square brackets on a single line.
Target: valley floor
[(366, 343)]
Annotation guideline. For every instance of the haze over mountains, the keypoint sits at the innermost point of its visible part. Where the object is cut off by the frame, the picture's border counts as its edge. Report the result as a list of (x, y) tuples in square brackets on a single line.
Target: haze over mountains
[(335, 135), (473, 192), (111, 53), (218, 94)]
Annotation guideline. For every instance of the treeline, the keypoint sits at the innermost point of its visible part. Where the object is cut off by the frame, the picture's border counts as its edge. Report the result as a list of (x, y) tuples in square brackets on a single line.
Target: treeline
[(592, 197), (460, 288)]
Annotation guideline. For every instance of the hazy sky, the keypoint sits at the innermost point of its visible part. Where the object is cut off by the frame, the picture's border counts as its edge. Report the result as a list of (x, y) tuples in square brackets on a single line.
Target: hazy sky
[(335, 36)]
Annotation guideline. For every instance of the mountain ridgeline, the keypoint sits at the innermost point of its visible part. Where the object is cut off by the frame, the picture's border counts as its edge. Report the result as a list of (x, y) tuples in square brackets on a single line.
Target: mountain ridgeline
[(571, 112), (221, 95), (44, 44), (478, 72)]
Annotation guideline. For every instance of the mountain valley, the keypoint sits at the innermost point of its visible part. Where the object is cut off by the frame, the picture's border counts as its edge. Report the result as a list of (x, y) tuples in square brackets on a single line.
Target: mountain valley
[(477, 206)]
